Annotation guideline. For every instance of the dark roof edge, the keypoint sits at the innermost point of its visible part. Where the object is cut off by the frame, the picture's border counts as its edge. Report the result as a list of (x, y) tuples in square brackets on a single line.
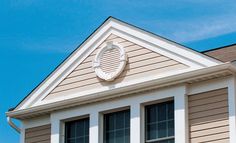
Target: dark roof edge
[(218, 48)]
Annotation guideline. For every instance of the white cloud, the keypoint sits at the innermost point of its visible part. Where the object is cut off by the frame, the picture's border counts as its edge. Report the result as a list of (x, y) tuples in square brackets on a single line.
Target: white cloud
[(206, 28), (198, 28)]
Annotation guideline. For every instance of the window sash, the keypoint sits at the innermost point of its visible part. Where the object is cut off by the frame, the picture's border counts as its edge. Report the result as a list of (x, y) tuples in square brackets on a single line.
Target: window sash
[(153, 111), (113, 127), (74, 128)]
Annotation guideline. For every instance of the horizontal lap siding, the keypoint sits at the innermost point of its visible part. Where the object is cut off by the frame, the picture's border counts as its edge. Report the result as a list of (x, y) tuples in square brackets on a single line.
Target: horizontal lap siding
[(226, 54), (142, 62), (208, 117), (41, 134)]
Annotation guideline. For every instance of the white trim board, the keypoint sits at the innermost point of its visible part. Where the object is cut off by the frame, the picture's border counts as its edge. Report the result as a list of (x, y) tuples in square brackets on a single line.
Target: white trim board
[(189, 77), (139, 36), (133, 102), (208, 85), (35, 122), (232, 108)]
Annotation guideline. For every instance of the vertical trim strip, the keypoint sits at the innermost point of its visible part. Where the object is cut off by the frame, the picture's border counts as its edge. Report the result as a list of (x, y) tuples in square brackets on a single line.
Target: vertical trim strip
[(94, 127), (135, 128), (181, 121), (22, 133), (232, 108), (55, 130)]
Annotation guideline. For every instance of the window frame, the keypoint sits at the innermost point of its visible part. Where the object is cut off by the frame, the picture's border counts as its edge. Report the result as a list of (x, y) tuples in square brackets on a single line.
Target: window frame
[(64, 140), (133, 102), (153, 103), (103, 124)]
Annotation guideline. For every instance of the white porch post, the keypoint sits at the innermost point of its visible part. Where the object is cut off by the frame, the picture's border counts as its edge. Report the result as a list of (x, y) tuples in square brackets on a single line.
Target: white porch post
[(94, 127), (135, 128), (232, 110), (181, 116)]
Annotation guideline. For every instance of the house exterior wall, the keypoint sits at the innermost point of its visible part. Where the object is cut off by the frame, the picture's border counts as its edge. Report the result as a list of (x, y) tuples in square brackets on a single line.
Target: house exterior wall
[(202, 113), (158, 70), (209, 117), (40, 134), (142, 62)]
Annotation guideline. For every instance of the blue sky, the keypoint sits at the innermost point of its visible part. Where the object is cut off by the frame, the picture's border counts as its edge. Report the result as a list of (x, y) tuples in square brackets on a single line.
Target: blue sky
[(36, 35)]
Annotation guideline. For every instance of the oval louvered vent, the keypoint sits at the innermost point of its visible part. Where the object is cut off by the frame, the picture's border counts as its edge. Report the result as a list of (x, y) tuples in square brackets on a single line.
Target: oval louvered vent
[(110, 61)]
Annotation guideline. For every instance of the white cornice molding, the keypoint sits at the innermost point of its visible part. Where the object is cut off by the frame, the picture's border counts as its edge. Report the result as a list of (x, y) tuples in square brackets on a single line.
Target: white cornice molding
[(197, 75)]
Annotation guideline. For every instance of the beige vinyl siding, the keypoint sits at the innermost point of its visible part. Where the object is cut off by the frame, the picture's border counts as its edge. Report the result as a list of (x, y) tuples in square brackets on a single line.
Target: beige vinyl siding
[(226, 54), (208, 117), (142, 62), (41, 134)]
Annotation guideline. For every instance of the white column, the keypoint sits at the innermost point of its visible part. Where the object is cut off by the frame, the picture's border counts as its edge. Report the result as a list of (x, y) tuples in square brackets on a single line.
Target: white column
[(94, 127), (135, 128), (55, 130), (181, 116), (232, 112)]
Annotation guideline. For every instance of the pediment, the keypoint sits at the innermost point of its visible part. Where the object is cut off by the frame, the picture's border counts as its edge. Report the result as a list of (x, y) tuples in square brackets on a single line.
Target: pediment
[(148, 57), (141, 63)]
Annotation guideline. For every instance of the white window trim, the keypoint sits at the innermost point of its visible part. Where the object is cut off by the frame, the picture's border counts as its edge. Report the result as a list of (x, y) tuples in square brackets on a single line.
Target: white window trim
[(136, 111), (181, 116), (135, 119)]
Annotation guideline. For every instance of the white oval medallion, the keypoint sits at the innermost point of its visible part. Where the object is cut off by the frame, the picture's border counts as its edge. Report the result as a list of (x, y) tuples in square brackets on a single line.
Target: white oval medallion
[(110, 61)]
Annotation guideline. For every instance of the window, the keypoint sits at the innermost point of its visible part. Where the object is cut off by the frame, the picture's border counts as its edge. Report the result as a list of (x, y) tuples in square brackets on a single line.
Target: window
[(117, 127), (77, 131), (159, 123)]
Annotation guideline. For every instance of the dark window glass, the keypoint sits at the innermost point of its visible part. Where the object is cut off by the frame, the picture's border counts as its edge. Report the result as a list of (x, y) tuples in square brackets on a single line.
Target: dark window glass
[(159, 122), (77, 131), (117, 127)]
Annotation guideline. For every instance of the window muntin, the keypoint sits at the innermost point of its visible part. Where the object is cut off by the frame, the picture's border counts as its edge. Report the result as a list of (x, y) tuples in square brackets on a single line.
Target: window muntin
[(77, 131), (117, 127), (159, 122)]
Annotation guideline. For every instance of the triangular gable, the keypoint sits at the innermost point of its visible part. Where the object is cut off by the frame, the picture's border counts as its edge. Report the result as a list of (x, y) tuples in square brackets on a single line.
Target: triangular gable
[(149, 55), (141, 63)]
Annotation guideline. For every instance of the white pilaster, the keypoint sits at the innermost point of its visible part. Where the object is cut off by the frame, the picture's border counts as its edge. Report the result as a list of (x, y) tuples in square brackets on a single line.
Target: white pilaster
[(232, 110), (94, 127), (55, 130), (181, 116), (22, 133), (135, 128)]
